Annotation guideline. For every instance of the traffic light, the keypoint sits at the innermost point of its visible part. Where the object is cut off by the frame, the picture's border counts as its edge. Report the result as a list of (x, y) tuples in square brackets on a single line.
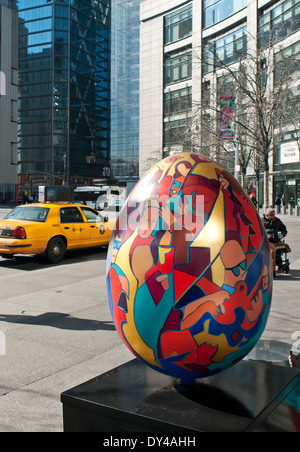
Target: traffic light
[(27, 176), (64, 179)]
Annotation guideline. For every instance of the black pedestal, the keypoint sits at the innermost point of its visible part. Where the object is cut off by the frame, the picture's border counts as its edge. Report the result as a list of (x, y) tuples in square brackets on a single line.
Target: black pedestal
[(250, 396)]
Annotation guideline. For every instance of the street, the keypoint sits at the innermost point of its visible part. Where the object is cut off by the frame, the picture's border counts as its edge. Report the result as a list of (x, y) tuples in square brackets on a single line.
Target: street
[(59, 332)]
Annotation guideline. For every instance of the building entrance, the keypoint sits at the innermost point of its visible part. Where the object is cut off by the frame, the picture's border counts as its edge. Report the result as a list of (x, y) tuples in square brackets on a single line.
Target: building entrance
[(287, 187)]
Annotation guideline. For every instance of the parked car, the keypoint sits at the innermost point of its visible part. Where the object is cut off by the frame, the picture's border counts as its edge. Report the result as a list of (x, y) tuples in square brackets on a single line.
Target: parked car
[(51, 229)]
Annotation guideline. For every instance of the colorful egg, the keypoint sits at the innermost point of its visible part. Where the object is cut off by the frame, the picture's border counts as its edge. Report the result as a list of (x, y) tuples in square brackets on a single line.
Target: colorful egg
[(189, 274)]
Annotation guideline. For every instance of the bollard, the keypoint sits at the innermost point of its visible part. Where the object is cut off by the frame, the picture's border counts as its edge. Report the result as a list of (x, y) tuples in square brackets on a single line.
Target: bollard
[(297, 210), (2, 84), (290, 210)]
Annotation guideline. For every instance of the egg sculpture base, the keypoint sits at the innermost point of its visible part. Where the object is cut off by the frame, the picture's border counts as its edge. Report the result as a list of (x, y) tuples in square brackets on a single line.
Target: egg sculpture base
[(189, 274), (251, 396)]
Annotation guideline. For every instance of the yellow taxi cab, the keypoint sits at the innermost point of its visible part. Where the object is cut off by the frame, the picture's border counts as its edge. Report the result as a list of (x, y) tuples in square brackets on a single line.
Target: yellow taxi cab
[(51, 229)]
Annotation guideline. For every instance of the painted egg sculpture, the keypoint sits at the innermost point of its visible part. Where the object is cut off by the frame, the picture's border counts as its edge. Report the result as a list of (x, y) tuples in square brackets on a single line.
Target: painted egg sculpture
[(189, 274)]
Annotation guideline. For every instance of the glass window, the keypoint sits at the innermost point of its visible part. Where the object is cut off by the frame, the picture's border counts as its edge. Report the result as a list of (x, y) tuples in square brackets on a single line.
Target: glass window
[(178, 68), (37, 25), (178, 24), (177, 101), (215, 11), (40, 89), (61, 24), (28, 213), (35, 13), (34, 49), (175, 131), (35, 141), (61, 11), (30, 129), (70, 215), (36, 102), (35, 115), (37, 154), (279, 22), (287, 62), (37, 75), (24, 4), (91, 215), (225, 50)]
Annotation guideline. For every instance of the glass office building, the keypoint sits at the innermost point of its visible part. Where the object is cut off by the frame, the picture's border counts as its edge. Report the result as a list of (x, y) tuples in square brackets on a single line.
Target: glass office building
[(63, 90), (8, 100), (125, 35)]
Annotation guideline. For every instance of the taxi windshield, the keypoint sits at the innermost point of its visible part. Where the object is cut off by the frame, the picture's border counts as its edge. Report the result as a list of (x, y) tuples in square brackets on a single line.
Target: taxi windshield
[(28, 213)]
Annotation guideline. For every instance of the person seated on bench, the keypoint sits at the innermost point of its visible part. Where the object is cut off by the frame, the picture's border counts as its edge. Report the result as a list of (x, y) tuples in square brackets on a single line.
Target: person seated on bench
[(276, 231)]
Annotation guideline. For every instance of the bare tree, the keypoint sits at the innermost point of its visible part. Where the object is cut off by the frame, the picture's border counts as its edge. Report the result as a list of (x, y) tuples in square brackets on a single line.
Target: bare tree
[(260, 90)]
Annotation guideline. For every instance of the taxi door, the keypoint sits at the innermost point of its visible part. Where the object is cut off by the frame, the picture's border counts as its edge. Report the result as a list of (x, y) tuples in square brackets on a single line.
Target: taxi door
[(99, 231), (74, 227)]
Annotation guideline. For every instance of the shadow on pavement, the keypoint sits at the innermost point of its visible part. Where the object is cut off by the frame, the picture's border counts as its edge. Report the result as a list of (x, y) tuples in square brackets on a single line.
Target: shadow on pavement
[(293, 275), (59, 320), (31, 263)]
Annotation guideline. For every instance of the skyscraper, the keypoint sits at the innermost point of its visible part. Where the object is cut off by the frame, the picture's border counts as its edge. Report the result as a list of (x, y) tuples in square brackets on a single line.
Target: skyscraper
[(125, 37), (63, 90), (8, 100)]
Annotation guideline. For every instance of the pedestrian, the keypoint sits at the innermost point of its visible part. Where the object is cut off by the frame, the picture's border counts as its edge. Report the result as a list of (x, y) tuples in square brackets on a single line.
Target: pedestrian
[(253, 199), (277, 201), (276, 231)]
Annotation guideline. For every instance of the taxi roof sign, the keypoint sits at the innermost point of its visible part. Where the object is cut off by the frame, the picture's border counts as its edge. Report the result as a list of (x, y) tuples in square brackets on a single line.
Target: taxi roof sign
[(56, 194)]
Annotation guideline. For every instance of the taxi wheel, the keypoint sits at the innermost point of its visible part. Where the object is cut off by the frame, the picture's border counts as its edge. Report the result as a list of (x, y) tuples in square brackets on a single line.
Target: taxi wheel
[(55, 250)]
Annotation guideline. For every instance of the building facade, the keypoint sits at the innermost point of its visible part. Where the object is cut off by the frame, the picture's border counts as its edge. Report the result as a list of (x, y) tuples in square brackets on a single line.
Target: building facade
[(8, 100), (125, 39), (184, 46), (63, 92)]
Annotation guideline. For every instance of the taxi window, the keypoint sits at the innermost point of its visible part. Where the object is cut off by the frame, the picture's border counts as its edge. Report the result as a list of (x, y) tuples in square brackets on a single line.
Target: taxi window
[(91, 215), (70, 215), (28, 213)]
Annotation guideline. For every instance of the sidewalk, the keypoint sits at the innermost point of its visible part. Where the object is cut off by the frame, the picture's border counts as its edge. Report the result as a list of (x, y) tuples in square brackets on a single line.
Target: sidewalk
[(284, 319), (53, 333)]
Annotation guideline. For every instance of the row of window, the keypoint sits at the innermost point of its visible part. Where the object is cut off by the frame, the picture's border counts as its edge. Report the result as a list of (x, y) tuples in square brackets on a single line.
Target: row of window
[(178, 24), (42, 43), (291, 55), (45, 128), (178, 101), (280, 22), (215, 11), (177, 67), (228, 49), (175, 130), (225, 50)]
